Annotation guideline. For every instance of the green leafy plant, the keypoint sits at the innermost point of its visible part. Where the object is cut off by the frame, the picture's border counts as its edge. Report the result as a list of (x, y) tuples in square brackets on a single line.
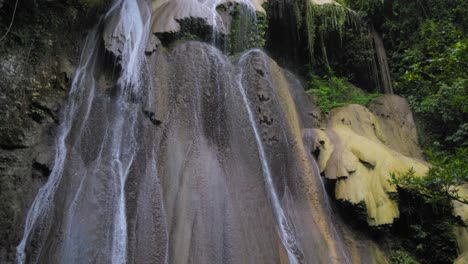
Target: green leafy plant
[(402, 257), (442, 182), (336, 92)]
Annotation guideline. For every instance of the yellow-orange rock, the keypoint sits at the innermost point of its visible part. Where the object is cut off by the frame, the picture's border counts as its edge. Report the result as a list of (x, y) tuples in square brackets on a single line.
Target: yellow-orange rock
[(360, 150)]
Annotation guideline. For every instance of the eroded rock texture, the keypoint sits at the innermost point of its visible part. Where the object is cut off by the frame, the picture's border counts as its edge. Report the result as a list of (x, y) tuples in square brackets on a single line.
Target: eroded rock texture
[(30, 101), (167, 13), (36, 68), (360, 148)]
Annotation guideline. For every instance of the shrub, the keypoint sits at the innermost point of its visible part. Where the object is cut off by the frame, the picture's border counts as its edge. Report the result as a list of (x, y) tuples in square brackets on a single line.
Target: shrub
[(335, 92)]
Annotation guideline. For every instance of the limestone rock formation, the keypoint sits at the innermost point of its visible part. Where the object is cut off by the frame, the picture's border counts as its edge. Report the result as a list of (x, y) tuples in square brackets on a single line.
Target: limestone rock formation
[(361, 147), (167, 13)]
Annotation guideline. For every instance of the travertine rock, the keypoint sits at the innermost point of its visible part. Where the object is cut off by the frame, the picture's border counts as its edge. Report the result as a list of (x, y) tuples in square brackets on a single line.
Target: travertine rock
[(166, 13), (355, 151)]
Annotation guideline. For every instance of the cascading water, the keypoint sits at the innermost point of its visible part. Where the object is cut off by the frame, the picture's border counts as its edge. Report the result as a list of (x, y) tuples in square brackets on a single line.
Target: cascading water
[(133, 27), (178, 157), (43, 202), (116, 151), (287, 237)]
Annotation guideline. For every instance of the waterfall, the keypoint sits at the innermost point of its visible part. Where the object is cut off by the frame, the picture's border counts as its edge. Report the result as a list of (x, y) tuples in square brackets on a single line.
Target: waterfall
[(43, 204), (287, 237), (179, 157), (135, 32), (382, 61), (115, 151)]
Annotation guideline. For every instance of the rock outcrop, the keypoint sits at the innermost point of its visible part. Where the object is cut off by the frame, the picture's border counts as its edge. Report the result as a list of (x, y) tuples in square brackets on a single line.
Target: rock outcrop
[(168, 13), (360, 148), (36, 67), (30, 102)]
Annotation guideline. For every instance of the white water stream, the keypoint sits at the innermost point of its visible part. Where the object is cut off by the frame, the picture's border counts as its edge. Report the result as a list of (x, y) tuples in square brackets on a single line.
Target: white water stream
[(285, 231), (132, 31)]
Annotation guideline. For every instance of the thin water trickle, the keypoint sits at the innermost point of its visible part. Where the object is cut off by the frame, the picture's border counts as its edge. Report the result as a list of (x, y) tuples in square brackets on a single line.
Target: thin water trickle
[(134, 27), (43, 203), (287, 237)]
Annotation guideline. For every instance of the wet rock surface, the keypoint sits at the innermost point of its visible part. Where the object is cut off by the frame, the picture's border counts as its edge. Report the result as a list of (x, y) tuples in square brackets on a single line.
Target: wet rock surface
[(167, 13), (36, 69), (30, 102)]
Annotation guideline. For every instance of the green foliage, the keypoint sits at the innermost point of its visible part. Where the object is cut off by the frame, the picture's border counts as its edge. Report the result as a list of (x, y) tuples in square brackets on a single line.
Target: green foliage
[(335, 92), (402, 257), (428, 50), (364, 7), (248, 30), (39, 28), (443, 180), (425, 230), (262, 28), (430, 56), (324, 18)]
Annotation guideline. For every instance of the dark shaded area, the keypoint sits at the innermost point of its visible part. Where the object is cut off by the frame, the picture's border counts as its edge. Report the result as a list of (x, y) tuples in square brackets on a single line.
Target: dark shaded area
[(425, 229), (286, 41), (190, 29)]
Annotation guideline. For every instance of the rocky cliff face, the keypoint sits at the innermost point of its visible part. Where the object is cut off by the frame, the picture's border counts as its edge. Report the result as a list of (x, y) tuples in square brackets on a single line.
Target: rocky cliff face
[(30, 110), (36, 68)]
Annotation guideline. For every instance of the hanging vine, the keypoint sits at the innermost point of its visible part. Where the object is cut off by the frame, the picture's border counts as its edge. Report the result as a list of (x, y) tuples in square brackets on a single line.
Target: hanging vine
[(321, 19)]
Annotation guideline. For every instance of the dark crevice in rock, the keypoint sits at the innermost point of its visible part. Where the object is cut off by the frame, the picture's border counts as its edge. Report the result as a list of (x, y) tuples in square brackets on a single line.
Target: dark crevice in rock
[(273, 139), (40, 171), (316, 153), (266, 120), (367, 164), (263, 98), (152, 118), (190, 29), (46, 110), (12, 147), (260, 72)]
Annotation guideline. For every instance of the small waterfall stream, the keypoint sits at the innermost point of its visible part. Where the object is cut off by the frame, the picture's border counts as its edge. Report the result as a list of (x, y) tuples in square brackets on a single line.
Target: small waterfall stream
[(287, 237), (133, 30), (43, 203)]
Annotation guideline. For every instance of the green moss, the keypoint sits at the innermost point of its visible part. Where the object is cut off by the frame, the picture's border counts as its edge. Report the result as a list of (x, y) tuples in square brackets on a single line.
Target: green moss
[(248, 30), (262, 29), (190, 29), (393, 196)]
